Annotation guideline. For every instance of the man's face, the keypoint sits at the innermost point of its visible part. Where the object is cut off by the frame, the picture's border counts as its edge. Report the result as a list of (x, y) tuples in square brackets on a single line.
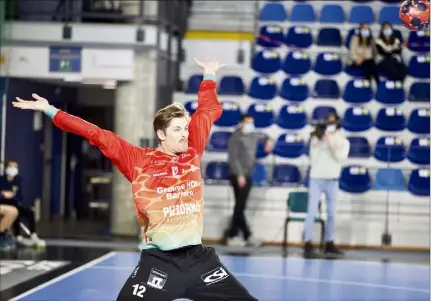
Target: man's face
[(12, 164), (176, 135)]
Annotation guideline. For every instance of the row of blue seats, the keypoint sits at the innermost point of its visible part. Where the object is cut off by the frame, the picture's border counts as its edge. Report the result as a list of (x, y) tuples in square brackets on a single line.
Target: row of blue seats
[(326, 63), (264, 88), (274, 36), (353, 179), (329, 13), (387, 149), (294, 117)]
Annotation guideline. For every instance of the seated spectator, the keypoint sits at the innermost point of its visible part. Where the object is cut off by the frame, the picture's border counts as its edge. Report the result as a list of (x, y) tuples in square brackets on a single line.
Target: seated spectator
[(362, 51), (389, 60), (8, 215), (11, 195)]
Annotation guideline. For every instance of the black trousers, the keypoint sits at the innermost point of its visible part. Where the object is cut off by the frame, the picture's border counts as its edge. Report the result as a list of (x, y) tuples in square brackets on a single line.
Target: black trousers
[(193, 272), (393, 69), (239, 222), (24, 213)]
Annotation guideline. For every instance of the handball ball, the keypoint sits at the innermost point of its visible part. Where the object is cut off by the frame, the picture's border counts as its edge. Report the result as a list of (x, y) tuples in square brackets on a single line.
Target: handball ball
[(415, 14)]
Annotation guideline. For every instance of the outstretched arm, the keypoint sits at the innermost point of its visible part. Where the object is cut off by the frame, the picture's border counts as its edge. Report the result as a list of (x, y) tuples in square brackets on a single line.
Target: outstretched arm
[(121, 153), (209, 108)]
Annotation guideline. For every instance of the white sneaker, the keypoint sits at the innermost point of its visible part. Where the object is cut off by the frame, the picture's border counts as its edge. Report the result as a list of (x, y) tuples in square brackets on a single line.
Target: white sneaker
[(253, 242), (22, 241), (235, 242), (37, 242)]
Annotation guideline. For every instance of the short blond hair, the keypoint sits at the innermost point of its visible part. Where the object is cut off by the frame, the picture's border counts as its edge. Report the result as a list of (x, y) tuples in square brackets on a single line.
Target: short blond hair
[(164, 116)]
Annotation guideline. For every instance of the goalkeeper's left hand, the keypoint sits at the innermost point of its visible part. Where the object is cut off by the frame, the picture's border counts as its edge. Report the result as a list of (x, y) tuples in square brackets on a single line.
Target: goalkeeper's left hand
[(209, 66)]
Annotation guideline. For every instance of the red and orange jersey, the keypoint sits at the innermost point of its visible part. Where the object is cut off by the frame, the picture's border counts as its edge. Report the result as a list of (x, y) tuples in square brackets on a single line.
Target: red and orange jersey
[(167, 189)]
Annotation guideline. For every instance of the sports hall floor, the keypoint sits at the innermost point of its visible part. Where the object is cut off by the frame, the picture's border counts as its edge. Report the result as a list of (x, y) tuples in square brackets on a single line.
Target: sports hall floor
[(76, 270)]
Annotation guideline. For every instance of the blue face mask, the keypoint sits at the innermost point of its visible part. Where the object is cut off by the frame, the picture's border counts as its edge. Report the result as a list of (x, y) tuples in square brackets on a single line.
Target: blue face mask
[(365, 33), (248, 128), (387, 32)]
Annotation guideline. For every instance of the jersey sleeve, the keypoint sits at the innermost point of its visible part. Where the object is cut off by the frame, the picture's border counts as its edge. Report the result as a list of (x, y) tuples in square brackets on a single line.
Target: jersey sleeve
[(208, 111), (122, 154)]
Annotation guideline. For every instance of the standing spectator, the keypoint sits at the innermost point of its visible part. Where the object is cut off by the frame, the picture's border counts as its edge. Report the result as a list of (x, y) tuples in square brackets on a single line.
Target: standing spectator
[(389, 60), (11, 194), (242, 147), (362, 51), (328, 151)]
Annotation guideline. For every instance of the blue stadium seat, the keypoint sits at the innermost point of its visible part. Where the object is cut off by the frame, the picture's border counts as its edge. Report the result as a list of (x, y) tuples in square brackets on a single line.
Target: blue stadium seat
[(389, 179), (390, 92), (266, 61), (231, 114), (296, 63), (332, 13), (357, 119), (217, 173), (419, 182), (359, 147), (419, 121), (355, 179), (299, 37), (328, 64), (358, 91), (294, 89), (260, 175), (270, 36), (263, 115), (361, 14), (420, 92), (419, 41), (263, 88), (389, 149), (191, 106), (193, 84), (286, 174), (320, 112), (390, 14), (292, 117), (419, 151), (273, 12), (329, 37), (419, 66), (302, 13), (390, 119), (231, 85), (326, 88), (218, 141), (289, 146)]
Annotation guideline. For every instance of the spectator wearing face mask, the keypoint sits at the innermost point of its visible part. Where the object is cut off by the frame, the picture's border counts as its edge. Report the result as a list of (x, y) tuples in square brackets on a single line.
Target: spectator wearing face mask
[(11, 194), (242, 147), (362, 51), (328, 151), (389, 60)]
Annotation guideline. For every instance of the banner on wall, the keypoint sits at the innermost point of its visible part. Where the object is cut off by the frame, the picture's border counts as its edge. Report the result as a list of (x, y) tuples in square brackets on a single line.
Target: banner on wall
[(68, 62)]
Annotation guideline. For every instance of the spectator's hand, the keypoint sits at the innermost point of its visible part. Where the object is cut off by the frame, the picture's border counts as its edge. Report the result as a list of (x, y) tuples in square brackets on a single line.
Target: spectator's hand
[(39, 104), (269, 146), (209, 66), (359, 60), (8, 194), (241, 181)]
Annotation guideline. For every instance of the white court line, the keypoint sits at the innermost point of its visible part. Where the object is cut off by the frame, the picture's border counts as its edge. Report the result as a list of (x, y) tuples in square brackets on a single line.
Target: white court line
[(305, 279), (68, 274)]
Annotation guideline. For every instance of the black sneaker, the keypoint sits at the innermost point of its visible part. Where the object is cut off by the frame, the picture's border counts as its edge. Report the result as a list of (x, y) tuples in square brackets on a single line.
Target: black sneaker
[(331, 249), (309, 250)]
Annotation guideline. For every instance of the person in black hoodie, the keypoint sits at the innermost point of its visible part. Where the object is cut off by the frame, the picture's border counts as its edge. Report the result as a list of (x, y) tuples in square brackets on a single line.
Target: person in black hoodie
[(389, 60)]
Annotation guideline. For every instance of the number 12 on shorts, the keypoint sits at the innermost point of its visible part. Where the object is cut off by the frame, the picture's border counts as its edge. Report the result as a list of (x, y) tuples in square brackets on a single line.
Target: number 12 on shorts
[(139, 290)]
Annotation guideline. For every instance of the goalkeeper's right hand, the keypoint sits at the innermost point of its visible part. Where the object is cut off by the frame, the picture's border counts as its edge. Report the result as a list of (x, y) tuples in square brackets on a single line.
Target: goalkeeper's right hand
[(39, 104)]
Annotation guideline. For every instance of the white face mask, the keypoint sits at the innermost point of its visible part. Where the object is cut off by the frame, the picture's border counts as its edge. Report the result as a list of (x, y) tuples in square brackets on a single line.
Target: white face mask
[(331, 128), (387, 32), (11, 171), (365, 33), (248, 128)]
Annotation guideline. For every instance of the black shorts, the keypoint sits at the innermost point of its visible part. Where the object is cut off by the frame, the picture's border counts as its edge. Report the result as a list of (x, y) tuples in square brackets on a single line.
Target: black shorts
[(193, 272)]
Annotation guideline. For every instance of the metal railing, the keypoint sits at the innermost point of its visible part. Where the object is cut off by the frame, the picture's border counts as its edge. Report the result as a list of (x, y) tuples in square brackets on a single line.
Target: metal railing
[(172, 14)]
